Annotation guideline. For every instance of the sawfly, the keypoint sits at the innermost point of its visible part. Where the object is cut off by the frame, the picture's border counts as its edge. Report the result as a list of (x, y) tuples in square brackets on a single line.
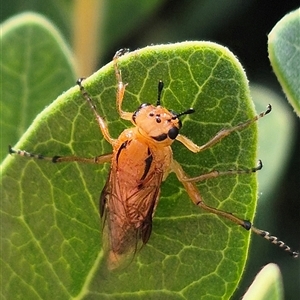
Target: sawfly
[(141, 160)]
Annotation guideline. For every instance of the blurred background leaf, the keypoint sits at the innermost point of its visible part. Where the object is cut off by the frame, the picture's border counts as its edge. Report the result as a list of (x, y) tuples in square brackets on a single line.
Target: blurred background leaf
[(240, 26), (27, 85), (266, 285), (284, 53)]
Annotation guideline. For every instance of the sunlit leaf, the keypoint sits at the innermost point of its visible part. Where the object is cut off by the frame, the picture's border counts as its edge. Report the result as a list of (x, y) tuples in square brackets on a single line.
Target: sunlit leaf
[(51, 241)]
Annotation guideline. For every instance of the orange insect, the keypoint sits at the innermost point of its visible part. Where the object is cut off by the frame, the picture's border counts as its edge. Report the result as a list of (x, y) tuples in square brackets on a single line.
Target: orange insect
[(142, 158)]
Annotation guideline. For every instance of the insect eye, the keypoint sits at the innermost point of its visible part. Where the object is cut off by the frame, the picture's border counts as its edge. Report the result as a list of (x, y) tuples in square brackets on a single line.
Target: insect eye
[(173, 132)]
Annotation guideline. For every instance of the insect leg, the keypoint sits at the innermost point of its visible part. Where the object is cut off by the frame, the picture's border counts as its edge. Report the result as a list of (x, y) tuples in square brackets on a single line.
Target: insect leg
[(58, 159), (216, 173), (121, 86), (102, 124), (221, 134), (194, 194)]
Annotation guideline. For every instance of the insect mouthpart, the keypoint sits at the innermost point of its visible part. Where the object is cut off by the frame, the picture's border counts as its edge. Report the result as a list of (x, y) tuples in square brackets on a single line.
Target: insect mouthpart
[(160, 137)]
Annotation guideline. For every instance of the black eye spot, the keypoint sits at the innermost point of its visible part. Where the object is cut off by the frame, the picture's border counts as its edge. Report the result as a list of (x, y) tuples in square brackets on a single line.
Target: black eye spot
[(158, 120), (151, 114), (173, 132)]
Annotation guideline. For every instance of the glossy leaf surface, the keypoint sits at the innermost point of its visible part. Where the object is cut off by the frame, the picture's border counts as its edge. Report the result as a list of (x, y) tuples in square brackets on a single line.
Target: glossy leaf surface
[(51, 241)]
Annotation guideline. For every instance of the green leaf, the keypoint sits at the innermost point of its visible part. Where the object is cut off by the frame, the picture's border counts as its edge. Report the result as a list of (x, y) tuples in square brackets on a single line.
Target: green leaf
[(51, 241), (267, 285), (36, 67), (284, 54)]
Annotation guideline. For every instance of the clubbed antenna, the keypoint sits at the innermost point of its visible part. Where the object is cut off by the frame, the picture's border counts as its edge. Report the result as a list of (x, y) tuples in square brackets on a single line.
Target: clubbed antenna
[(159, 88), (187, 112)]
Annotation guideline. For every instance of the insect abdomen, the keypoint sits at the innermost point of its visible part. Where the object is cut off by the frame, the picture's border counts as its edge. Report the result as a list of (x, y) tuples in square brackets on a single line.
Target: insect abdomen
[(130, 197)]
